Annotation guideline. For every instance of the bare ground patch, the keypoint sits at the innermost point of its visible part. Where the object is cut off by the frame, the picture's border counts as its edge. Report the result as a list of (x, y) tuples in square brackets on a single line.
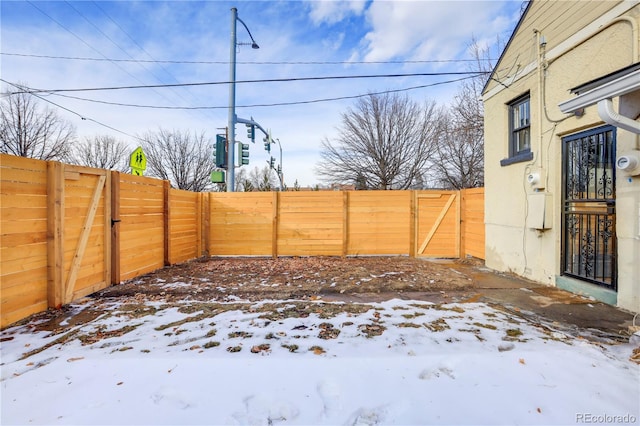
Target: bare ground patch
[(203, 284), (218, 279)]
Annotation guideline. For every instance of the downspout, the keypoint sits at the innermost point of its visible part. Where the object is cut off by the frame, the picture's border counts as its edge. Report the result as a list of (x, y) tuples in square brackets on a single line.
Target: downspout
[(610, 116)]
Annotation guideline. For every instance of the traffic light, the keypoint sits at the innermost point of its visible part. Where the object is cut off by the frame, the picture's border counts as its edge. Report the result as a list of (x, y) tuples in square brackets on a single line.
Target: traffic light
[(272, 162), (243, 154), (267, 145), (221, 152), (251, 132)]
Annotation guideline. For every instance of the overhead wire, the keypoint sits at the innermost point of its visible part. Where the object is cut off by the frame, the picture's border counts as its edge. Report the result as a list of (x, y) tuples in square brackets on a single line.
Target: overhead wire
[(34, 92), (153, 87), (82, 117), (80, 39), (185, 62), (311, 101), (58, 92), (153, 60), (268, 80)]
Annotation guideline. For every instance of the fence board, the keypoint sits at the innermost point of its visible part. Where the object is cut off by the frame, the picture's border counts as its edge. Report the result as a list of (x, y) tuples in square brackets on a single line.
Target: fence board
[(184, 217), (141, 226), (23, 234), (241, 224), (379, 222), (473, 234)]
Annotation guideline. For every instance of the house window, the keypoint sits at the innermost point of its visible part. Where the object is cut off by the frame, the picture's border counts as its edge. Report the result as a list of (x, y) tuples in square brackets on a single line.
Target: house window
[(519, 131)]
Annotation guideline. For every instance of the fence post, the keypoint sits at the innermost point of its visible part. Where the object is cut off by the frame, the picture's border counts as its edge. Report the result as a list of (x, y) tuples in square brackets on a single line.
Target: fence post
[(166, 214), (463, 223), (206, 223), (274, 224), (55, 233), (115, 227), (459, 223), (345, 223), (199, 223), (413, 227)]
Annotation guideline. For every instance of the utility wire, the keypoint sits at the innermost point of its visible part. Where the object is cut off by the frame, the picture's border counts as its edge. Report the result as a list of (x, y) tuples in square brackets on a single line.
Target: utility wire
[(405, 89), (80, 38), (153, 60), (82, 117), (93, 48), (270, 80), (156, 61)]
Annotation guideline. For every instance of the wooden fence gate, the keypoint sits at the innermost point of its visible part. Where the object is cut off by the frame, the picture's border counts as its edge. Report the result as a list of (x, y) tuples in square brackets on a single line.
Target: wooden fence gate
[(438, 224), (78, 232)]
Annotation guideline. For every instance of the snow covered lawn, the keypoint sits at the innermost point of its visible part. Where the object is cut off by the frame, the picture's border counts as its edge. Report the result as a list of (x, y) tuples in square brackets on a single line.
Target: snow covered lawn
[(310, 362)]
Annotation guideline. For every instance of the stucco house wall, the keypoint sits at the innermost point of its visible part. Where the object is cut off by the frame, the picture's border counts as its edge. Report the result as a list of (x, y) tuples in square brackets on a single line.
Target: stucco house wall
[(555, 47)]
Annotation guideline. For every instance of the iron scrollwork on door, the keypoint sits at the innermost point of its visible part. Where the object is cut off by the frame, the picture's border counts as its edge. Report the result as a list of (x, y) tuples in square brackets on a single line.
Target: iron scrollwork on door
[(588, 246)]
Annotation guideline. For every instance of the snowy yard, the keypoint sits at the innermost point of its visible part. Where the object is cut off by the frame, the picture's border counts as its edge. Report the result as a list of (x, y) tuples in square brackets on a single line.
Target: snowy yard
[(132, 361)]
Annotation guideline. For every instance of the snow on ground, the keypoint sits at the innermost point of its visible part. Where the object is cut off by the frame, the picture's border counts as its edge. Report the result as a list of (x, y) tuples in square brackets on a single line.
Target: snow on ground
[(309, 362)]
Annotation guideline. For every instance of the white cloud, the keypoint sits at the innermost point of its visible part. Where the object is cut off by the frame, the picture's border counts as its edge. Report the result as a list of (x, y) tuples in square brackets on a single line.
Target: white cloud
[(330, 12), (423, 30)]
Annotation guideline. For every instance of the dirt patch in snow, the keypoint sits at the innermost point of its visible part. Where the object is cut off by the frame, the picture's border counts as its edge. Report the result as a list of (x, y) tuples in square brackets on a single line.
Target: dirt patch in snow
[(212, 285), (224, 279)]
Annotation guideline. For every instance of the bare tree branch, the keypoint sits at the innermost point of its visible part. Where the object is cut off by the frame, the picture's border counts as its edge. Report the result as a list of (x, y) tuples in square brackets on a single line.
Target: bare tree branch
[(385, 142), (184, 159), (27, 131), (256, 180), (102, 152), (459, 159)]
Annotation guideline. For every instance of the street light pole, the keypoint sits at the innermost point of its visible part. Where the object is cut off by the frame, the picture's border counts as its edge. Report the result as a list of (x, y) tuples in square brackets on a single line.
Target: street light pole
[(231, 141), (233, 119)]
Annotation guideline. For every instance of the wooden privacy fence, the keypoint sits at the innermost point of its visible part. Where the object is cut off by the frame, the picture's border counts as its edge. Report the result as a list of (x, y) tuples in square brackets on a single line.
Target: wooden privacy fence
[(347, 223), (68, 231)]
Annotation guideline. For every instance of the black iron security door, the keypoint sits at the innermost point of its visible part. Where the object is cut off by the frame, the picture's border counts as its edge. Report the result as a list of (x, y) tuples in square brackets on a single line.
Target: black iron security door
[(588, 235)]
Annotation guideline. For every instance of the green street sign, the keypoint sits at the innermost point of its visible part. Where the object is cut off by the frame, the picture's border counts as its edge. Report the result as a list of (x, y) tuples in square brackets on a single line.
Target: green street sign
[(217, 176)]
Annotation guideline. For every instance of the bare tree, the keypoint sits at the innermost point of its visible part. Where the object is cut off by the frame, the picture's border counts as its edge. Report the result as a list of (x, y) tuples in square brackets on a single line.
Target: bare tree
[(182, 158), (256, 180), (459, 159), (102, 152), (384, 142), (459, 156), (243, 183), (28, 131)]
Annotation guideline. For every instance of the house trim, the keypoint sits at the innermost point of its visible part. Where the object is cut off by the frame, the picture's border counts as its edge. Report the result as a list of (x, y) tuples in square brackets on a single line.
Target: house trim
[(518, 158), (597, 26)]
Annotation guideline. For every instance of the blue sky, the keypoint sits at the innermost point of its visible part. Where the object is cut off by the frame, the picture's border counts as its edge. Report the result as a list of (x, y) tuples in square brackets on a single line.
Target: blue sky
[(297, 39)]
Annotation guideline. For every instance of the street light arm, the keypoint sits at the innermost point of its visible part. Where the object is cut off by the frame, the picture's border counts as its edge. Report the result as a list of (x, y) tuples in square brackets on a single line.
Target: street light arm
[(254, 45)]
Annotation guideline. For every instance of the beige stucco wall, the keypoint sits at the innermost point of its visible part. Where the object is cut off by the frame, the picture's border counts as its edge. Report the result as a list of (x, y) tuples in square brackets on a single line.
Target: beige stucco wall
[(628, 214), (596, 46)]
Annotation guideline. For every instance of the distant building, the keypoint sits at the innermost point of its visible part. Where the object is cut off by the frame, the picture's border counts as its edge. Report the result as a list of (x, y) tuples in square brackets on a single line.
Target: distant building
[(342, 187)]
